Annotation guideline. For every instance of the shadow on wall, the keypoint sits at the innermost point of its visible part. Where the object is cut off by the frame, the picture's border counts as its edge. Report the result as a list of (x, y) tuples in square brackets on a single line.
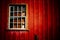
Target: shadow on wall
[(36, 37)]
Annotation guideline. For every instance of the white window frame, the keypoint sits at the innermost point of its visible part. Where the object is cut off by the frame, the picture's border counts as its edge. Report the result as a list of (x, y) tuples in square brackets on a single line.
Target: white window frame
[(26, 19)]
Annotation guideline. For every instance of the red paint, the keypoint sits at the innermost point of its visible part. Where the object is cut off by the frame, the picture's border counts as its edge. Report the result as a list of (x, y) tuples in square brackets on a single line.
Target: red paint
[(42, 20)]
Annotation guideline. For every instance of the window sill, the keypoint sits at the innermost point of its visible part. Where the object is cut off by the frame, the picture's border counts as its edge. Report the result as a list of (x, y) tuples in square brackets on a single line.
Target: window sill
[(17, 30)]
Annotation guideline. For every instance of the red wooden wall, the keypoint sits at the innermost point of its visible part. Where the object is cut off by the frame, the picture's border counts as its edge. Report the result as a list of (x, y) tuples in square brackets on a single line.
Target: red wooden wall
[(43, 20)]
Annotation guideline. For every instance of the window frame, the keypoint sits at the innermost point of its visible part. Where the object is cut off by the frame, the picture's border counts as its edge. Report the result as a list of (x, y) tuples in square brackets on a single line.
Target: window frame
[(26, 24)]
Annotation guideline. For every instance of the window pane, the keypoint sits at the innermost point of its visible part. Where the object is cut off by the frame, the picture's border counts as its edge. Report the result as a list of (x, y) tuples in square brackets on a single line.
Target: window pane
[(23, 19), (15, 8), (11, 8), (19, 13), (11, 19), (19, 8), (11, 13), (23, 13), (15, 13), (15, 19), (23, 26), (23, 7), (19, 25), (11, 25), (19, 20), (15, 25)]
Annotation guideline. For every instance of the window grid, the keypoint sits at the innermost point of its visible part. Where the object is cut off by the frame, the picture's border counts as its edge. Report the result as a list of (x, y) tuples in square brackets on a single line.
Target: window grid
[(16, 17)]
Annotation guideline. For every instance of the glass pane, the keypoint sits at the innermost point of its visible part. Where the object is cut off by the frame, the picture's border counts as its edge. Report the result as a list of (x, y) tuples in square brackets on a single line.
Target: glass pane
[(15, 25), (19, 20), (11, 13), (23, 22), (23, 19), (11, 25), (11, 19), (19, 25), (23, 26), (11, 8), (23, 7), (19, 8), (19, 13), (15, 8), (15, 13), (23, 13), (15, 19)]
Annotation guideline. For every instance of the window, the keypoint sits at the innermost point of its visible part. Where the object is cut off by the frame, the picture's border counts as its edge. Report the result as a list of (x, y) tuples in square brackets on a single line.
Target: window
[(17, 17)]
